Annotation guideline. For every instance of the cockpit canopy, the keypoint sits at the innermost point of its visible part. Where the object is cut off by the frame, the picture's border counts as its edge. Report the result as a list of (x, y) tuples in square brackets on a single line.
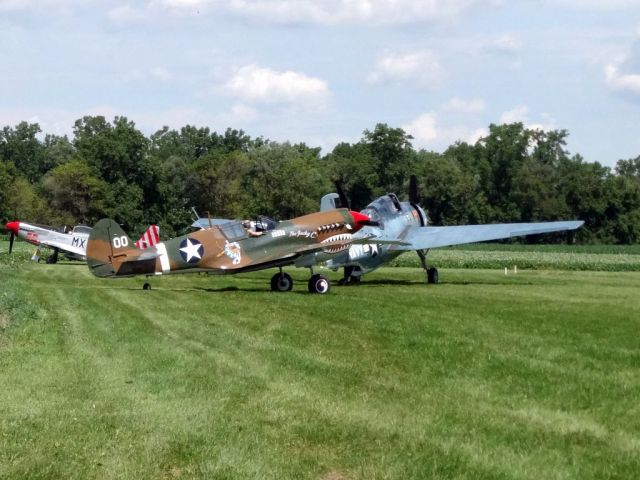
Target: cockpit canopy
[(264, 223)]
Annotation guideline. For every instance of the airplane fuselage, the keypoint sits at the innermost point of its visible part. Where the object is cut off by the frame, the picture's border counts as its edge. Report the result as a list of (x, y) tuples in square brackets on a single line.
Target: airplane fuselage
[(394, 217), (222, 249), (72, 244)]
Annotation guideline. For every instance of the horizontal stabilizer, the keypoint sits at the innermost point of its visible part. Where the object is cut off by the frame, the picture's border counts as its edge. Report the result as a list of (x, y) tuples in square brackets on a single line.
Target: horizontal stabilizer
[(422, 238)]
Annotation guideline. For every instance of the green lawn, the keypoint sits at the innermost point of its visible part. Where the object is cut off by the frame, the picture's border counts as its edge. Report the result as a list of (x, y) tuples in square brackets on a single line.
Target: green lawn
[(529, 376)]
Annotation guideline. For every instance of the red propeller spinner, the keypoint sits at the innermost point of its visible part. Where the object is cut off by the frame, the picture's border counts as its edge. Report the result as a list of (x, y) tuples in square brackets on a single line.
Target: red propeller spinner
[(13, 227), (360, 220)]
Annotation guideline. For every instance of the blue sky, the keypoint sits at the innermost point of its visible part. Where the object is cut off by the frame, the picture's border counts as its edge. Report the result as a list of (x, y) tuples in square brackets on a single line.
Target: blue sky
[(322, 72)]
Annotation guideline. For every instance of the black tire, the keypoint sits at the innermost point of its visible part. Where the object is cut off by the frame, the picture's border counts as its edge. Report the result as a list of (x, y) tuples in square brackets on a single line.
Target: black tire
[(51, 259), (146, 286), (319, 284), (432, 275), (281, 282)]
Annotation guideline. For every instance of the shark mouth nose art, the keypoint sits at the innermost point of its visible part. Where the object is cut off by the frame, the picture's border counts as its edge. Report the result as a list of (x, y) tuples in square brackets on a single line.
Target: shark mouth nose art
[(341, 240)]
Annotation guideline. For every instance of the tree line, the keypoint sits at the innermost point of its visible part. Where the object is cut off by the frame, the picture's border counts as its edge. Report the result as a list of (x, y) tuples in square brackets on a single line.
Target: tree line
[(110, 168)]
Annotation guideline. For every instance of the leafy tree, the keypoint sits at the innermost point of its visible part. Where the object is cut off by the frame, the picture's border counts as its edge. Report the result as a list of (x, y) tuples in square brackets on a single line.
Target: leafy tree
[(217, 184), (584, 187), (355, 170), (285, 180), (629, 168), (536, 191), (116, 152), (21, 146), (75, 193), (504, 149), (450, 194), (392, 149), (18, 198)]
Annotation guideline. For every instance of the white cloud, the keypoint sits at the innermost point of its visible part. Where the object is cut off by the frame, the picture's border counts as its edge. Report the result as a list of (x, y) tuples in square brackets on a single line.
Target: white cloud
[(473, 105), (423, 128), (622, 82), (521, 114), (518, 114), (367, 12), (427, 133), (421, 68), (476, 135), (255, 84)]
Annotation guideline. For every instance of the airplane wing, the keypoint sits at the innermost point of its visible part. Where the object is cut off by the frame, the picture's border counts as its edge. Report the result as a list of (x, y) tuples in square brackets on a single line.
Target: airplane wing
[(62, 246), (422, 238)]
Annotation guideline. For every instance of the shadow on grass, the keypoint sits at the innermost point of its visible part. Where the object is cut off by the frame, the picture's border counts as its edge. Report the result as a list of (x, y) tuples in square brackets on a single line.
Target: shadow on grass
[(409, 283)]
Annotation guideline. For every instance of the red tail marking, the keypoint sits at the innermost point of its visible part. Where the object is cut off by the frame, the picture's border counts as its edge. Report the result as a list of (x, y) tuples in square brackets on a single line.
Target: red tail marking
[(149, 238)]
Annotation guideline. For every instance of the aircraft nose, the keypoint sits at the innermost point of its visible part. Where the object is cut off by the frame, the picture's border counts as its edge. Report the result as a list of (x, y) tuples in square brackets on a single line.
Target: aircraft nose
[(13, 227), (359, 219)]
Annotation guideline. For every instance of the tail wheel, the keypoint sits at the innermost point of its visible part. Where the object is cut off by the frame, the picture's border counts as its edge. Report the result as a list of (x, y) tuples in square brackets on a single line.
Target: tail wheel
[(432, 275), (146, 286), (319, 284), (281, 282)]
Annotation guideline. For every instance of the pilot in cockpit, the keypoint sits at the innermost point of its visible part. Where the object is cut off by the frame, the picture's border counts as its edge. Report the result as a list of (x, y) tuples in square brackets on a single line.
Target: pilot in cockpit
[(253, 229)]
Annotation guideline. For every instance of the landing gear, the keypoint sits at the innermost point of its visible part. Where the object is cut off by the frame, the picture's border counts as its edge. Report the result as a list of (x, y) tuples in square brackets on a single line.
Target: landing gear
[(281, 282), (432, 273), (53, 258), (319, 284), (350, 278), (146, 286)]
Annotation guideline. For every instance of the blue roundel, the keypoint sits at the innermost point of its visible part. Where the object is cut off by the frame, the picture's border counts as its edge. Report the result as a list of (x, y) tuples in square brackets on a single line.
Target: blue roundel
[(191, 250)]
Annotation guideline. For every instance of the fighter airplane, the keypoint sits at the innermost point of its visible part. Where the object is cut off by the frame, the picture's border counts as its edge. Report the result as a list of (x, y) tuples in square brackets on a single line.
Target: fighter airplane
[(229, 248), (397, 227), (72, 244)]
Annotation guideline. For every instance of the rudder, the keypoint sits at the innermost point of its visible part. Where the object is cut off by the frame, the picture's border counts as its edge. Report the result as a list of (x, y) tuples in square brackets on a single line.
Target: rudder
[(107, 248)]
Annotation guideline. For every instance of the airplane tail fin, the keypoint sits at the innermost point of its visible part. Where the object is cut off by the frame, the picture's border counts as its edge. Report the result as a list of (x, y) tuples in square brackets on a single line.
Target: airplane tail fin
[(108, 248), (149, 238)]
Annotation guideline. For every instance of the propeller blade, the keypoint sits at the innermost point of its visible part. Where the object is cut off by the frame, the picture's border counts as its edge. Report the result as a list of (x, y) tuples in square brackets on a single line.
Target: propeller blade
[(13, 235), (414, 197), (344, 201)]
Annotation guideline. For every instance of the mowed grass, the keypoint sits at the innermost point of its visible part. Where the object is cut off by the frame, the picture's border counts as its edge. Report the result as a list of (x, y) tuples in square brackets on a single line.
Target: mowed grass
[(528, 376)]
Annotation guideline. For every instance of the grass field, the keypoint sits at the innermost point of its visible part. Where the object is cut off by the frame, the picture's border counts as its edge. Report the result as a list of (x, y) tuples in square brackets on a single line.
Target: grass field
[(528, 376)]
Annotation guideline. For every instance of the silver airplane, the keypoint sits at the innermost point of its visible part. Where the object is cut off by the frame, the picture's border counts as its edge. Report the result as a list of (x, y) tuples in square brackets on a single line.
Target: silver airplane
[(403, 226), (72, 244)]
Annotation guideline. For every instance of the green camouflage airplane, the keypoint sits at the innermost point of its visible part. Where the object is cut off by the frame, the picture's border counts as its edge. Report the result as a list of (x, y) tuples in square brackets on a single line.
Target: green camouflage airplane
[(228, 248)]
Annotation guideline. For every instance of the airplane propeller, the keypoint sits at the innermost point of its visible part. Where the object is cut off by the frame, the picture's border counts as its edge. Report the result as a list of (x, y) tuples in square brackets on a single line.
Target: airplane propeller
[(12, 227), (414, 196), (344, 201)]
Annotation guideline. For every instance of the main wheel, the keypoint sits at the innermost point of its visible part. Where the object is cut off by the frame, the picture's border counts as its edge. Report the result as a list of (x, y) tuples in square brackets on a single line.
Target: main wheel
[(281, 282), (319, 284), (51, 259), (432, 275)]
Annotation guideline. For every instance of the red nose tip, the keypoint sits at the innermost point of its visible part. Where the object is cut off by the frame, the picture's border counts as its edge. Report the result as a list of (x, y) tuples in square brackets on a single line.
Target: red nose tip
[(13, 226), (359, 219)]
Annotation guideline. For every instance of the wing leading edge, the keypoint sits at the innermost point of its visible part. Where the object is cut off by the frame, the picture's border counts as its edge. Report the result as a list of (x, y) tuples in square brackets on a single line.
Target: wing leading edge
[(421, 238)]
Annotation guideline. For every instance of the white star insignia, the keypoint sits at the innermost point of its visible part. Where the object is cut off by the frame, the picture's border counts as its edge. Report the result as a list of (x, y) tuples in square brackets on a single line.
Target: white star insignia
[(191, 250)]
